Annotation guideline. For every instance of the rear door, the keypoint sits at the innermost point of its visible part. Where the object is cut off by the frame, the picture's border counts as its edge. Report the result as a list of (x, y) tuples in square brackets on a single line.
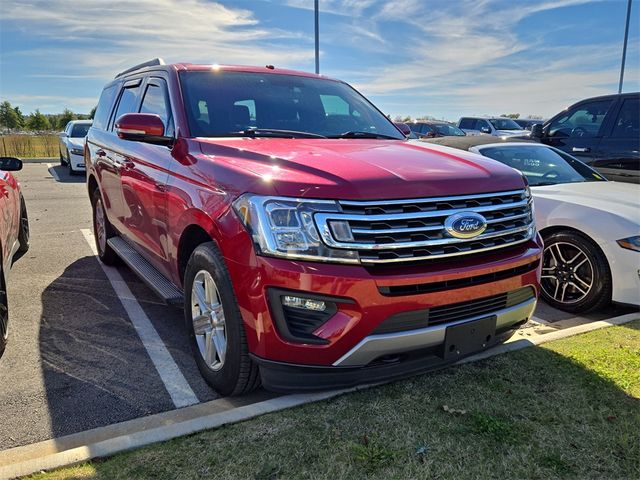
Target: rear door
[(468, 125), (579, 130), (144, 176), (111, 156), (618, 154)]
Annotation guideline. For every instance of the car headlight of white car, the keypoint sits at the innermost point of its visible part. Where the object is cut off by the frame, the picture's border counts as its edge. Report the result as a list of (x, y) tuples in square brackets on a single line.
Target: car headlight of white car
[(285, 227), (630, 243), (76, 151)]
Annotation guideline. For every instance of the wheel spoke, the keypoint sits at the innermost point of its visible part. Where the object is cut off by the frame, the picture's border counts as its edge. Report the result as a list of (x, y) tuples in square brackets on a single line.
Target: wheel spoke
[(209, 348), (555, 292), (586, 284), (564, 291), (576, 267), (548, 268), (553, 255), (553, 277), (201, 295), (218, 314), (560, 256), (220, 342), (577, 255), (201, 324), (583, 292)]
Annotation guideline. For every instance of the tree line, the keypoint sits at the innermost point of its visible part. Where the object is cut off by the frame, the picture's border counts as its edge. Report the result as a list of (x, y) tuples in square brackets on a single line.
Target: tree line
[(12, 119)]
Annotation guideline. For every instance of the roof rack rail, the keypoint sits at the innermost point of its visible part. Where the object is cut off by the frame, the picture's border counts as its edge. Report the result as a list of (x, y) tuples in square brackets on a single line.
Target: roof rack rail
[(150, 63)]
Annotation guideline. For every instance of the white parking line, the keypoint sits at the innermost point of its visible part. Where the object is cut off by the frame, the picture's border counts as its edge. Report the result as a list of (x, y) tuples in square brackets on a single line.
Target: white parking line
[(175, 383), (53, 172)]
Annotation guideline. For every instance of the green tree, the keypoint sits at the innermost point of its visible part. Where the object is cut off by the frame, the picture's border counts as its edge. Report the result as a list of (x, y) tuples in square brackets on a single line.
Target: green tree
[(511, 115), (20, 116), (8, 116), (66, 116), (92, 113), (37, 121)]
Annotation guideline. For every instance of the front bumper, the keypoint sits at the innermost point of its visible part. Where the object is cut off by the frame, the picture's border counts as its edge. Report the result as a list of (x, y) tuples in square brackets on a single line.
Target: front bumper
[(625, 273), (77, 162), (366, 297)]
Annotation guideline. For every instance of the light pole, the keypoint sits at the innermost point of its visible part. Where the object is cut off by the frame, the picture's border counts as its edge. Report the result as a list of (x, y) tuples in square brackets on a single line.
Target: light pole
[(318, 36), (624, 46)]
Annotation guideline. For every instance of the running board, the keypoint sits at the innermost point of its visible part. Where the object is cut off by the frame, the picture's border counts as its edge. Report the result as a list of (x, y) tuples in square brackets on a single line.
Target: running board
[(155, 280)]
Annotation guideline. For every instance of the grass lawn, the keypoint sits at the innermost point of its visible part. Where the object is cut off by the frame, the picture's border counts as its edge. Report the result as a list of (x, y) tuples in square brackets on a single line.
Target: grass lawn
[(569, 409)]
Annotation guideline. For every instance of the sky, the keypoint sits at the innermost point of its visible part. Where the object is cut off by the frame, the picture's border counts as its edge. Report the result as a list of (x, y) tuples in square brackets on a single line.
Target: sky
[(410, 57)]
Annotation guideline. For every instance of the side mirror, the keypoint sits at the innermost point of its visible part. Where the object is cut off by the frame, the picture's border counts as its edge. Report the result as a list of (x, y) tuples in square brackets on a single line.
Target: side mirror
[(404, 128), (536, 131), (142, 127), (63, 134), (10, 164)]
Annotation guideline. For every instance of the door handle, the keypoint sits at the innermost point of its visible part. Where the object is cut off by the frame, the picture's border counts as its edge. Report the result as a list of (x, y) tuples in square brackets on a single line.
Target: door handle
[(581, 149), (101, 153)]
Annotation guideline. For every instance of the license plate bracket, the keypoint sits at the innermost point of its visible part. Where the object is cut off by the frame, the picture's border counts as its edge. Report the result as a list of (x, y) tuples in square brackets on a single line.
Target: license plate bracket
[(469, 337)]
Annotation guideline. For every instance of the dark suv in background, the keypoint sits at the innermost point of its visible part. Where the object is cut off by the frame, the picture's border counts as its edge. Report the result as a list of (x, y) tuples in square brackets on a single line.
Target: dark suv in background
[(603, 132)]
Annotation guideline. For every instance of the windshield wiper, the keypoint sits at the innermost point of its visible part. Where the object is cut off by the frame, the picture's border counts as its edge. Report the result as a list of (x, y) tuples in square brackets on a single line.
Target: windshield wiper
[(544, 184), (363, 135), (275, 132)]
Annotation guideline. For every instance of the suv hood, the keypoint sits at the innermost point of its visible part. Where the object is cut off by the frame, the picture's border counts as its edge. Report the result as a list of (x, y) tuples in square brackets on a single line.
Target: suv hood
[(357, 168), (613, 198)]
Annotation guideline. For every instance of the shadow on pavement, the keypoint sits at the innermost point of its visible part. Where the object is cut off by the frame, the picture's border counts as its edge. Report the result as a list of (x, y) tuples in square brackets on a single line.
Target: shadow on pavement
[(95, 369), (61, 174)]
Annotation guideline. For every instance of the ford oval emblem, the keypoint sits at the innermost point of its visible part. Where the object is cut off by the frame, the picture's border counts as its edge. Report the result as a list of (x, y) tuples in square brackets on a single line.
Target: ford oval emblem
[(465, 225)]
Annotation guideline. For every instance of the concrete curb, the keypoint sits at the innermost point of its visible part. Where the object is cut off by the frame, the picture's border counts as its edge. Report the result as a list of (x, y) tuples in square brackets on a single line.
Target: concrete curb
[(144, 431)]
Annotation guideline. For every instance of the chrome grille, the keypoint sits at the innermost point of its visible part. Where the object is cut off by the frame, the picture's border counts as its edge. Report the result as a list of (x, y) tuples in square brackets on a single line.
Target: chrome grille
[(409, 230)]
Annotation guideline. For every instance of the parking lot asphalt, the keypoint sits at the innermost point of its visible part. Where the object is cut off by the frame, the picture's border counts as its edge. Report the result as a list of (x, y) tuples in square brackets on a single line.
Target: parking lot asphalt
[(75, 358)]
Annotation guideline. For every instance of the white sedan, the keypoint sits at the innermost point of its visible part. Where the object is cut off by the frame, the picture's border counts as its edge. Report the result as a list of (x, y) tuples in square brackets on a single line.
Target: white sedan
[(72, 145), (590, 227)]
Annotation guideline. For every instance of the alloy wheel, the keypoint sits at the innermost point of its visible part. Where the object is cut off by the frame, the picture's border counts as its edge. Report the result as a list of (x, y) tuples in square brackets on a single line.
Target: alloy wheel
[(100, 225), (208, 320), (567, 273)]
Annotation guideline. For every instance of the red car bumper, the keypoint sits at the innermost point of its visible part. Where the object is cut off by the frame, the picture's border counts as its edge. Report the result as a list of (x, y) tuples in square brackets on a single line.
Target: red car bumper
[(366, 300)]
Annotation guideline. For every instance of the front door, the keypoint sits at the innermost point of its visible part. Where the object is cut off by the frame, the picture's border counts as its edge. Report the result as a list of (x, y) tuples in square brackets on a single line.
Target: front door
[(144, 177), (578, 131)]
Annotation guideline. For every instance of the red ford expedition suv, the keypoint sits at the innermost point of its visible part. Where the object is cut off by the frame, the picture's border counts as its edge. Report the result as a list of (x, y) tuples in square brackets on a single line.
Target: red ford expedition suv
[(310, 245)]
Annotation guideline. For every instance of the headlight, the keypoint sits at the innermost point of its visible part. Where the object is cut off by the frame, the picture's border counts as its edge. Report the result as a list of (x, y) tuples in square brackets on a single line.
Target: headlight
[(77, 151), (285, 227), (631, 243)]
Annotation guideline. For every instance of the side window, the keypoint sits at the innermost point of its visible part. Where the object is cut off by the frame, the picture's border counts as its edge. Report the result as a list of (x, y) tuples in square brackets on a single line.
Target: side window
[(156, 101), (582, 121), (101, 116), (480, 124), (427, 129), (628, 122), (468, 123), (128, 101)]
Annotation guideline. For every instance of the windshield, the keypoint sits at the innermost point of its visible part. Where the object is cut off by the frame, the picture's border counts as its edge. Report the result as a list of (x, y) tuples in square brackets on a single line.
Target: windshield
[(542, 165), (80, 130), (504, 124), (449, 130), (222, 103)]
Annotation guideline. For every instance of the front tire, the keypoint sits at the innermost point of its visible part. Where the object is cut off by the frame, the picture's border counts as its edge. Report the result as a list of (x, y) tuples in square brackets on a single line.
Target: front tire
[(215, 325), (23, 234), (575, 273), (102, 230)]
